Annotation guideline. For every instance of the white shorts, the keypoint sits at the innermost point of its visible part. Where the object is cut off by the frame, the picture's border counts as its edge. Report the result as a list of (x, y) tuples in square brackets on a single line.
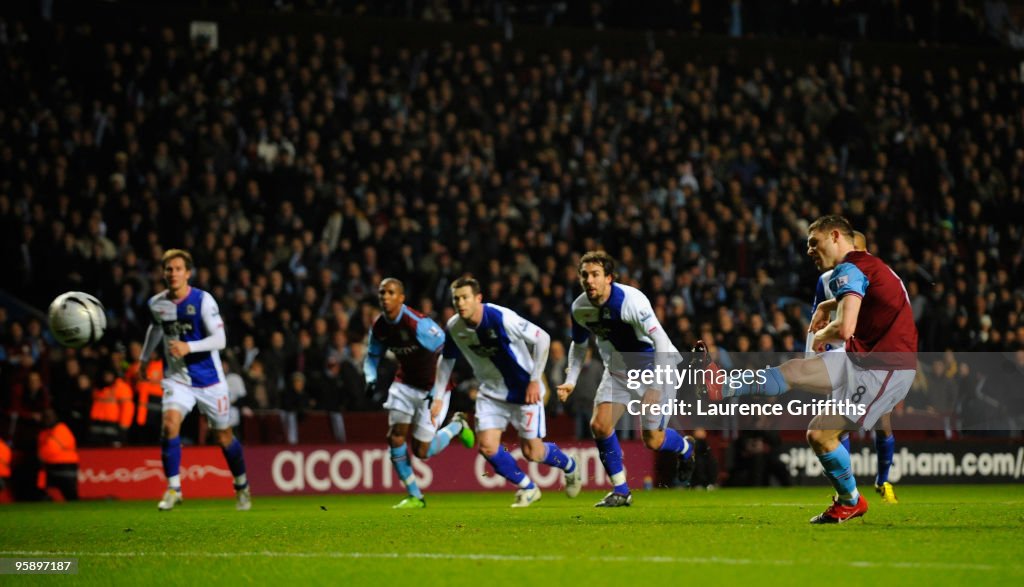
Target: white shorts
[(879, 390), (409, 405), (527, 419), (613, 389), (213, 401)]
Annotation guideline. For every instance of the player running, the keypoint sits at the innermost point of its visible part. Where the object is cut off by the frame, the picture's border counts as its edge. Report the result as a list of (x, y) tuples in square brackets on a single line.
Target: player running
[(416, 341), (824, 312), (188, 320), (875, 373), (628, 333), (497, 344)]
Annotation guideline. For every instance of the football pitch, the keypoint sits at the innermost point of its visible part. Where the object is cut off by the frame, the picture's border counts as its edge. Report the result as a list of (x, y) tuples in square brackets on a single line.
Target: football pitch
[(936, 535)]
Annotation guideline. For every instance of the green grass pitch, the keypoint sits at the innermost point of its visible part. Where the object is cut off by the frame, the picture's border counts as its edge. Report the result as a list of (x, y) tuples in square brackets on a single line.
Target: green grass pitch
[(936, 535)]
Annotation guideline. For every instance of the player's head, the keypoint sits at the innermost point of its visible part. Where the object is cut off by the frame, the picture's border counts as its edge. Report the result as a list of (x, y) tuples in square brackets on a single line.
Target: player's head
[(391, 294), (860, 242), (466, 297), (829, 238), (597, 272), (177, 264)]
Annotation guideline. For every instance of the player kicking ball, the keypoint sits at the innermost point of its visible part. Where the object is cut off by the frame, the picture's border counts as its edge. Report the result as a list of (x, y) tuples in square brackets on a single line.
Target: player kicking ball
[(874, 319), (823, 313), (497, 343), (416, 341)]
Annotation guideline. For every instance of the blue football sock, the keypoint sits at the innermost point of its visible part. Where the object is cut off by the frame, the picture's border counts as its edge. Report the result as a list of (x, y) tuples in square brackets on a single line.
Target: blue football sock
[(674, 442), (443, 437), (236, 462), (775, 384), (554, 457), (400, 459), (838, 471), (506, 466), (845, 441), (611, 458), (170, 454), (885, 447)]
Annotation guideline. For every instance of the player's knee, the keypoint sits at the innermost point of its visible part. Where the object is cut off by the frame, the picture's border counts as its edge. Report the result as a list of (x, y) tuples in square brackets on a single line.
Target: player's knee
[(817, 439), (653, 441), (224, 437), (488, 449), (601, 429), (396, 440), (420, 449)]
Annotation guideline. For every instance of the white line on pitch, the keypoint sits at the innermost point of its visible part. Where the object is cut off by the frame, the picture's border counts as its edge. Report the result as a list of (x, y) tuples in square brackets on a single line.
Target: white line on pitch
[(713, 560)]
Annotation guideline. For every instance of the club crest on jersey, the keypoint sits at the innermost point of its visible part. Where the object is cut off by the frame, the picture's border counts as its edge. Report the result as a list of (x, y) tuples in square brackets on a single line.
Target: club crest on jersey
[(190, 310), (491, 334), (606, 314), (404, 336)]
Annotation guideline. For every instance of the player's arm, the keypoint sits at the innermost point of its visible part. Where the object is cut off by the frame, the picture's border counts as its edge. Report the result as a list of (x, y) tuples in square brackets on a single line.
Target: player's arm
[(154, 334), (429, 335), (849, 285), (374, 351), (445, 365), (215, 339), (537, 338), (577, 355)]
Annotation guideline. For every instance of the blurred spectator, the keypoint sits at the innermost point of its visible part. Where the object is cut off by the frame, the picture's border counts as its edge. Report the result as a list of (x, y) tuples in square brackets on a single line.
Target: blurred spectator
[(112, 410), (58, 455), (755, 457), (294, 405)]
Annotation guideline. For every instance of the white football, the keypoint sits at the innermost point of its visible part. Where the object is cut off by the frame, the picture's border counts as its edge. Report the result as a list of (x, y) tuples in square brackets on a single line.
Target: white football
[(77, 319)]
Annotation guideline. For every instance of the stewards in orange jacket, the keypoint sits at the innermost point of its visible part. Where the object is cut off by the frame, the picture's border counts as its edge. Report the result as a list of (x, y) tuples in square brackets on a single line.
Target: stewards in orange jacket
[(5, 471), (58, 453), (148, 397), (112, 410)]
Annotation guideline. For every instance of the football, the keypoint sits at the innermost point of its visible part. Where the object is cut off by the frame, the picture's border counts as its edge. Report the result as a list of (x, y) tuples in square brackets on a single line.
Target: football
[(77, 319)]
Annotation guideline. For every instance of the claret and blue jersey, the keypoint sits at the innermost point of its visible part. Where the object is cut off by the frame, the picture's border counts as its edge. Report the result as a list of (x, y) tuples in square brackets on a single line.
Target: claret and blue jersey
[(414, 338)]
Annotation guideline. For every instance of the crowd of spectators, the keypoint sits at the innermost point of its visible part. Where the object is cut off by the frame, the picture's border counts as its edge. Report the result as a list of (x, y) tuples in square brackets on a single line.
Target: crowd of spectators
[(938, 22), (299, 174)]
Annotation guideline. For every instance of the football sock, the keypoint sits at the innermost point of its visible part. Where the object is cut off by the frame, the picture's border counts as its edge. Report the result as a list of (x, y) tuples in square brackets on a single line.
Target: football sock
[(838, 471), (611, 458), (400, 459), (885, 446), (554, 457), (674, 442), (775, 384), (506, 466), (443, 437), (170, 454), (236, 462), (845, 441)]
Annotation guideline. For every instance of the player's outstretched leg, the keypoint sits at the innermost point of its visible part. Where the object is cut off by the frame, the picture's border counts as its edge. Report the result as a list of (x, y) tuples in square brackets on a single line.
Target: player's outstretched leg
[(885, 446), (611, 457), (548, 453), (715, 386), (400, 460), (848, 503), (503, 464), (457, 427), (235, 458), (170, 455)]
